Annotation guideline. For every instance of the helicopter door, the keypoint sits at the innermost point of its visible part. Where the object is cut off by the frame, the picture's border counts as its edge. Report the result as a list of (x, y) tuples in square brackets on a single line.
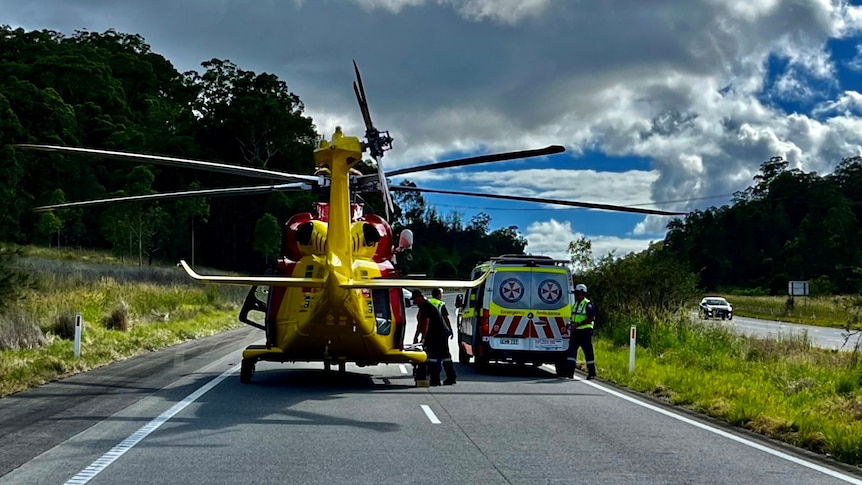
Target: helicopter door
[(382, 311)]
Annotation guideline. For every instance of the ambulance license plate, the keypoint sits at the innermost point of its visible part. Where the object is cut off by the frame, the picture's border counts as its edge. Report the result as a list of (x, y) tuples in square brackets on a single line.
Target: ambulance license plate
[(510, 341)]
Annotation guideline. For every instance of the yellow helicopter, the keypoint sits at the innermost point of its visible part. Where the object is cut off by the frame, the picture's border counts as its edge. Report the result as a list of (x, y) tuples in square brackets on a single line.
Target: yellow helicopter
[(337, 294)]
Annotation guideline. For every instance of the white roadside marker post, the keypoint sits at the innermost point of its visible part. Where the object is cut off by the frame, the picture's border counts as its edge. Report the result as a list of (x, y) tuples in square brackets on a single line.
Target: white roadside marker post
[(78, 324), (632, 340)]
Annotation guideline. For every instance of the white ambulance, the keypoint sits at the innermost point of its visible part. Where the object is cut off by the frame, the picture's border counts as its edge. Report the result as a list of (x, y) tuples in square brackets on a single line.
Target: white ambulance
[(520, 314)]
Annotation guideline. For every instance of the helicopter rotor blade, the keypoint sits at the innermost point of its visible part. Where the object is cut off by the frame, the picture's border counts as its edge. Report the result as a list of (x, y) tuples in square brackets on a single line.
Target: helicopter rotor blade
[(570, 203), (177, 162), (363, 108), (461, 162), (259, 189), (384, 190), (359, 89), (377, 142)]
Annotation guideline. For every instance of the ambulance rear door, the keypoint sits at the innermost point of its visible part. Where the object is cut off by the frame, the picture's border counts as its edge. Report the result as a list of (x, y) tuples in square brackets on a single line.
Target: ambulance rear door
[(529, 309)]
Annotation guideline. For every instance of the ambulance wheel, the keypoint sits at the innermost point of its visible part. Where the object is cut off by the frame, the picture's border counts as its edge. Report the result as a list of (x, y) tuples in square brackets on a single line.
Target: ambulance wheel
[(463, 356), (246, 370)]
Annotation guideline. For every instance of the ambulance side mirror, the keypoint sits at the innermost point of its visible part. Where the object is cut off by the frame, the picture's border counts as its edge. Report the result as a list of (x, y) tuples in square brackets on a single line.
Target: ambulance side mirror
[(459, 301)]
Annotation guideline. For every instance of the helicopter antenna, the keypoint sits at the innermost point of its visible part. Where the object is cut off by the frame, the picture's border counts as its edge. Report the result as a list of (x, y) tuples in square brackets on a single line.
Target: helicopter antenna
[(377, 141)]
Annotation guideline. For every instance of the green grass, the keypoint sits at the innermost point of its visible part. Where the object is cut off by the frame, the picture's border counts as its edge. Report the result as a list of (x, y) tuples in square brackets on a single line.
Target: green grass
[(147, 307), (785, 389), (824, 311)]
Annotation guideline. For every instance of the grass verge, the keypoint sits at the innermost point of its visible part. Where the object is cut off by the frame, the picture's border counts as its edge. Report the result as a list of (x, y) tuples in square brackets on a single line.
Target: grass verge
[(783, 389), (22, 369), (126, 310)]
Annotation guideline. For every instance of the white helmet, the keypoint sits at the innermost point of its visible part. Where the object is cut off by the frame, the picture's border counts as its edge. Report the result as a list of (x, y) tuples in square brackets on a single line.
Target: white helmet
[(581, 287)]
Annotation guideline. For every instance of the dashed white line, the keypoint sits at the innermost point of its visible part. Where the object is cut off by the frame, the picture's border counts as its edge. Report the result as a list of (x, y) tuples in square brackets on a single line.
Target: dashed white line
[(725, 434), (127, 444), (403, 369), (430, 414)]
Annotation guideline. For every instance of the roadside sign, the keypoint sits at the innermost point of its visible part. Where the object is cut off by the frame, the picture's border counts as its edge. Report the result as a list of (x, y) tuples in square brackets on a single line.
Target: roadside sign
[(797, 288)]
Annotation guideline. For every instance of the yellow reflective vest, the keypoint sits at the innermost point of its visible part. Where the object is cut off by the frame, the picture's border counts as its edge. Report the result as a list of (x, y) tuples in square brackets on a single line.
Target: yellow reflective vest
[(579, 315), (438, 304)]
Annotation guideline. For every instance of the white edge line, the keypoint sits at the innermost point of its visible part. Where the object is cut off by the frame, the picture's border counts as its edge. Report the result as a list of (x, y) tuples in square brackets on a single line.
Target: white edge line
[(430, 414), (730, 436), (403, 369), (127, 444)]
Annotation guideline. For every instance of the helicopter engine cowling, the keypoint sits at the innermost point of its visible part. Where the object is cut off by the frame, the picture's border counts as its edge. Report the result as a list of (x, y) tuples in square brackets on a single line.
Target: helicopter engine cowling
[(383, 251), (290, 246), (311, 237), (365, 238)]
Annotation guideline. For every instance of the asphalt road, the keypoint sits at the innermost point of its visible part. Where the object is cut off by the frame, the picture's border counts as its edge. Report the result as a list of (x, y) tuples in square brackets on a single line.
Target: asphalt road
[(181, 416), (830, 338)]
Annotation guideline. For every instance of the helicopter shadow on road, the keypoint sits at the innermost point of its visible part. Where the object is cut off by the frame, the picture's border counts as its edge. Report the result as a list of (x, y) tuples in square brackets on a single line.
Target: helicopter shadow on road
[(276, 398)]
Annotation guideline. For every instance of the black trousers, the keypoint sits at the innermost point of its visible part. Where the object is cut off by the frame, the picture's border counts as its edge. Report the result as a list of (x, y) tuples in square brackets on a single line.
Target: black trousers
[(582, 339), (439, 359)]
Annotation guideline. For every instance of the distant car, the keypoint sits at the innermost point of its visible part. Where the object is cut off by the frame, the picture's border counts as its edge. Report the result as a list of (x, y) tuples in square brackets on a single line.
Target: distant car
[(408, 297), (716, 307)]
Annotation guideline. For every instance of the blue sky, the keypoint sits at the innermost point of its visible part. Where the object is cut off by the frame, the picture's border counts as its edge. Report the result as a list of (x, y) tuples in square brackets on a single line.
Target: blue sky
[(654, 101)]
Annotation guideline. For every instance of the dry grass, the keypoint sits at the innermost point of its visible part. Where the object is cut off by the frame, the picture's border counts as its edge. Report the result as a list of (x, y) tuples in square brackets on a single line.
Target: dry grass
[(18, 330)]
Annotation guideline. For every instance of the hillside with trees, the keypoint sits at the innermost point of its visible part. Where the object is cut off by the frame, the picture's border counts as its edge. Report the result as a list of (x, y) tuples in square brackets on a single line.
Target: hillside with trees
[(788, 225), (111, 91)]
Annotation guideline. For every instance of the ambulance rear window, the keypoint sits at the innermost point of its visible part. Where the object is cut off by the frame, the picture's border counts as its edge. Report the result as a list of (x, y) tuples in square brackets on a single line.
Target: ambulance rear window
[(551, 290), (531, 290), (510, 289)]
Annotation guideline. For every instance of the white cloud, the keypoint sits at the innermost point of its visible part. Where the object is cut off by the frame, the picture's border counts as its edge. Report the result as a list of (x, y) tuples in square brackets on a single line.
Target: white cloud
[(618, 188), (552, 237)]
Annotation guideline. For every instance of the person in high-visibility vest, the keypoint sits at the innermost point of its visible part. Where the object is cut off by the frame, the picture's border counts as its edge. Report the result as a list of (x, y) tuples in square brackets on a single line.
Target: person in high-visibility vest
[(445, 357), (437, 334), (583, 322)]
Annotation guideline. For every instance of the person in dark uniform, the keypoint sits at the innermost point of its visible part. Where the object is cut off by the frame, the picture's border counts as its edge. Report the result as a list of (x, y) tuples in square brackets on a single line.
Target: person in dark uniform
[(437, 334), (583, 322)]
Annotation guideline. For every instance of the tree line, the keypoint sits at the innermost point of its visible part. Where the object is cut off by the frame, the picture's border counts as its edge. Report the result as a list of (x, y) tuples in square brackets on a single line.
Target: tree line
[(788, 225), (110, 91)]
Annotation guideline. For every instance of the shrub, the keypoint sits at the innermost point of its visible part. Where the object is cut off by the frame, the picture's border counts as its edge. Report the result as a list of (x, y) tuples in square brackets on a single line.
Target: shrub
[(64, 325), (118, 319)]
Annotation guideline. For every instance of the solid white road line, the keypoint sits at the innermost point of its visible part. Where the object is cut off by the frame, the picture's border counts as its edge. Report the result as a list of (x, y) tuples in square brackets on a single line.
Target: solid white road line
[(127, 444), (725, 434), (430, 414), (403, 369)]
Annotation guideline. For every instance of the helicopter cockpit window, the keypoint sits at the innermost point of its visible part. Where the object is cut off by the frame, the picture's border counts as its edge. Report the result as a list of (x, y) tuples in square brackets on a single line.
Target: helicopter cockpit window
[(382, 311)]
